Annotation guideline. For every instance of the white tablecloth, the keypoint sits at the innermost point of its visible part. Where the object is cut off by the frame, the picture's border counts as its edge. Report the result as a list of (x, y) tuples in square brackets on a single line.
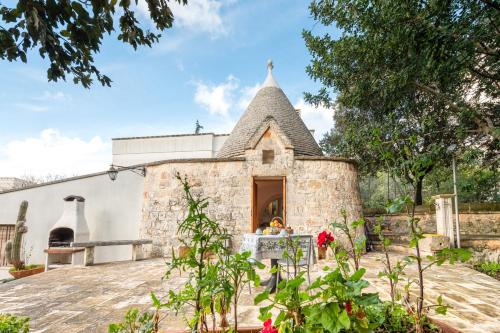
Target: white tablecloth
[(273, 246)]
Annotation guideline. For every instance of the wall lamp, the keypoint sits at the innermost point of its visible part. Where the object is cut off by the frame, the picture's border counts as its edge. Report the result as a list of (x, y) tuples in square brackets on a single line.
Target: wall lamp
[(114, 169)]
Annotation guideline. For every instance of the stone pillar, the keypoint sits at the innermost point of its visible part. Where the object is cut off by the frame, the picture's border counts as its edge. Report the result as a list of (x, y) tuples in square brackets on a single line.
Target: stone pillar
[(444, 216), (89, 256)]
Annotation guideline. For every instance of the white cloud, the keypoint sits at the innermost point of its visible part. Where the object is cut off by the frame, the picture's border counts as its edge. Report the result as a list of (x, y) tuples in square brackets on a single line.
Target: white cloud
[(55, 154), (319, 119), (198, 15), (39, 103), (218, 99), (247, 94), (32, 107), (222, 98), (53, 96)]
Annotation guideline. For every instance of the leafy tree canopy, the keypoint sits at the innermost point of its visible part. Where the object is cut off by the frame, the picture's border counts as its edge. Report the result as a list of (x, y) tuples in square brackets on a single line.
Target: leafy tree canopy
[(407, 79), (70, 33)]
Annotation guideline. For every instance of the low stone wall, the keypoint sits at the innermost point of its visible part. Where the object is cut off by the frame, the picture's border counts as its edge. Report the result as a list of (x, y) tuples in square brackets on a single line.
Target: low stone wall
[(479, 227)]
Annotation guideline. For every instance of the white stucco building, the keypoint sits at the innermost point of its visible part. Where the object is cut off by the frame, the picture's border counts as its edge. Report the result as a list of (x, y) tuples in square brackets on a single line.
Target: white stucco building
[(145, 149)]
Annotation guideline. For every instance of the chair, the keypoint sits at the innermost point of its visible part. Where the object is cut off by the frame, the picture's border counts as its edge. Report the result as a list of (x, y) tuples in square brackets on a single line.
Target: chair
[(293, 243)]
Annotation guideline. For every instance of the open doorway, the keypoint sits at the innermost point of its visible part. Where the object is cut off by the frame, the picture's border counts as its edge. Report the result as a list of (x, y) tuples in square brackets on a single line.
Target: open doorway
[(269, 201)]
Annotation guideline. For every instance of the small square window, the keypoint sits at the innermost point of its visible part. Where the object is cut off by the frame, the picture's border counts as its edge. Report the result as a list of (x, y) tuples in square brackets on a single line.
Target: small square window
[(267, 156)]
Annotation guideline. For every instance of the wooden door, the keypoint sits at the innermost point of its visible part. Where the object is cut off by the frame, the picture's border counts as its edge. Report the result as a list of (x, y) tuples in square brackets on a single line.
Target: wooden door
[(254, 211)]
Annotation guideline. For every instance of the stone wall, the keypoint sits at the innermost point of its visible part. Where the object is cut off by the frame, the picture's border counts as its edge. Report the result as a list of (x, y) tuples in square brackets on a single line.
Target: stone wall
[(471, 223), (316, 190), (479, 229)]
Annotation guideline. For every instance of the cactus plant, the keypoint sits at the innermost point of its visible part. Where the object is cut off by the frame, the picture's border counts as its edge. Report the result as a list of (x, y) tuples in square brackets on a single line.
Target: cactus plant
[(13, 247)]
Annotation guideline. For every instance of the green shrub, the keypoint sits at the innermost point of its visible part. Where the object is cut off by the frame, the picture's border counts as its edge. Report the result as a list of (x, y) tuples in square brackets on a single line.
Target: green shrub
[(135, 322), (13, 324), (488, 267)]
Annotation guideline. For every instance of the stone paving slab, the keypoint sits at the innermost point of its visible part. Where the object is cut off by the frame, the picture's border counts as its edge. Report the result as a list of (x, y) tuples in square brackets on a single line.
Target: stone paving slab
[(87, 299)]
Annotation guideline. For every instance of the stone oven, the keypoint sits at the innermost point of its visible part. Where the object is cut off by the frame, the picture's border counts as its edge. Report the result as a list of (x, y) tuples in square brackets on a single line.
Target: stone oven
[(71, 227)]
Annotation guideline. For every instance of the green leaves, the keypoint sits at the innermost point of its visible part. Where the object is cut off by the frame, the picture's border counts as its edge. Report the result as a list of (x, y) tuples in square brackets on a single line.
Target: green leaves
[(327, 318), (261, 297), (344, 320), (450, 255), (14, 324), (70, 33), (357, 275), (440, 307), (396, 205), (134, 322)]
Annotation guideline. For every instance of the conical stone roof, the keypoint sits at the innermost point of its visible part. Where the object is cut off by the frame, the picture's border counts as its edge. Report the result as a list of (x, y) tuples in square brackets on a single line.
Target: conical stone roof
[(270, 101)]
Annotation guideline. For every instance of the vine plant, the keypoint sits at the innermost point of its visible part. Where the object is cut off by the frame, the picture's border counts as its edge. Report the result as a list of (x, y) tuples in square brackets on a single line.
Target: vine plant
[(205, 240), (357, 243)]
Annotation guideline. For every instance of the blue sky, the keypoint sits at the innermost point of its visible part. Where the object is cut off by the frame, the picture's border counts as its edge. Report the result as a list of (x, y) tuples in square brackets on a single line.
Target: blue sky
[(207, 68)]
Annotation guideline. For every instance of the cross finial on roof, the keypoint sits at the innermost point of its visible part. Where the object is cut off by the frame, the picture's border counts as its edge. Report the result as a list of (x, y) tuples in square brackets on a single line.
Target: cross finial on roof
[(270, 65), (270, 82)]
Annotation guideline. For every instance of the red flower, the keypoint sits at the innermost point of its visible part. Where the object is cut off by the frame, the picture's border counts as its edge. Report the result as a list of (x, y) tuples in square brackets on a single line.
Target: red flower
[(348, 307), (268, 327), (324, 239)]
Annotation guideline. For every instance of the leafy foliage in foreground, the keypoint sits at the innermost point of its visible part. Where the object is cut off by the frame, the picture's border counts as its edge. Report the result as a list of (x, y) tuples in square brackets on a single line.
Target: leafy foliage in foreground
[(69, 33), (13, 324)]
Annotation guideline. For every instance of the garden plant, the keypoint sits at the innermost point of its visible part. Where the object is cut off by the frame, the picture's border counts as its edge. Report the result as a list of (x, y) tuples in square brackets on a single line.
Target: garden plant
[(216, 277), (13, 247), (13, 324), (490, 268)]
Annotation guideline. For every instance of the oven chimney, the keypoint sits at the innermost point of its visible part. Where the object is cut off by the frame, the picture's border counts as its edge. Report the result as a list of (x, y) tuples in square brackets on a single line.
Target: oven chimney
[(73, 217), (71, 227)]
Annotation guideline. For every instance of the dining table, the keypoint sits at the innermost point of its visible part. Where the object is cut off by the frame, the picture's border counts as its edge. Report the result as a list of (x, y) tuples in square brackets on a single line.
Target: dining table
[(273, 247)]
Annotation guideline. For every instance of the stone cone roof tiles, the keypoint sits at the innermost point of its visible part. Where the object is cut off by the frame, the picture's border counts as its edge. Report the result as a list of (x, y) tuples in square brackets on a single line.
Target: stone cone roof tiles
[(270, 101)]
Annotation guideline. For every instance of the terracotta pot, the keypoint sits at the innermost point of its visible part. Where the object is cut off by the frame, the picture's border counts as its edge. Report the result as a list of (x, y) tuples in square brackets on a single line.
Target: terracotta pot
[(322, 252), (27, 272)]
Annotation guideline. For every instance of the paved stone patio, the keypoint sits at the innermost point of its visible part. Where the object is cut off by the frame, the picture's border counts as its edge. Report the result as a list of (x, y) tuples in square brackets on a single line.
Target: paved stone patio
[(87, 299)]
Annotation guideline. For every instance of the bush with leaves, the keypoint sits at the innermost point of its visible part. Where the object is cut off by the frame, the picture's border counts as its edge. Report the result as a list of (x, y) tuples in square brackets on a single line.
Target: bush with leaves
[(135, 322), (393, 272), (332, 303), (13, 324), (356, 242), (239, 270), (206, 242), (490, 268)]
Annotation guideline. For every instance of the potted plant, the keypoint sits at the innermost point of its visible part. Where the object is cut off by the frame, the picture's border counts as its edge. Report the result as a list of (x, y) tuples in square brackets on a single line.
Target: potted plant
[(13, 248)]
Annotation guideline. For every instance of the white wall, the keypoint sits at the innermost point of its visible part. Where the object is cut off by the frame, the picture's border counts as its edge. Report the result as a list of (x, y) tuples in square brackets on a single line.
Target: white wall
[(112, 210), (132, 151)]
